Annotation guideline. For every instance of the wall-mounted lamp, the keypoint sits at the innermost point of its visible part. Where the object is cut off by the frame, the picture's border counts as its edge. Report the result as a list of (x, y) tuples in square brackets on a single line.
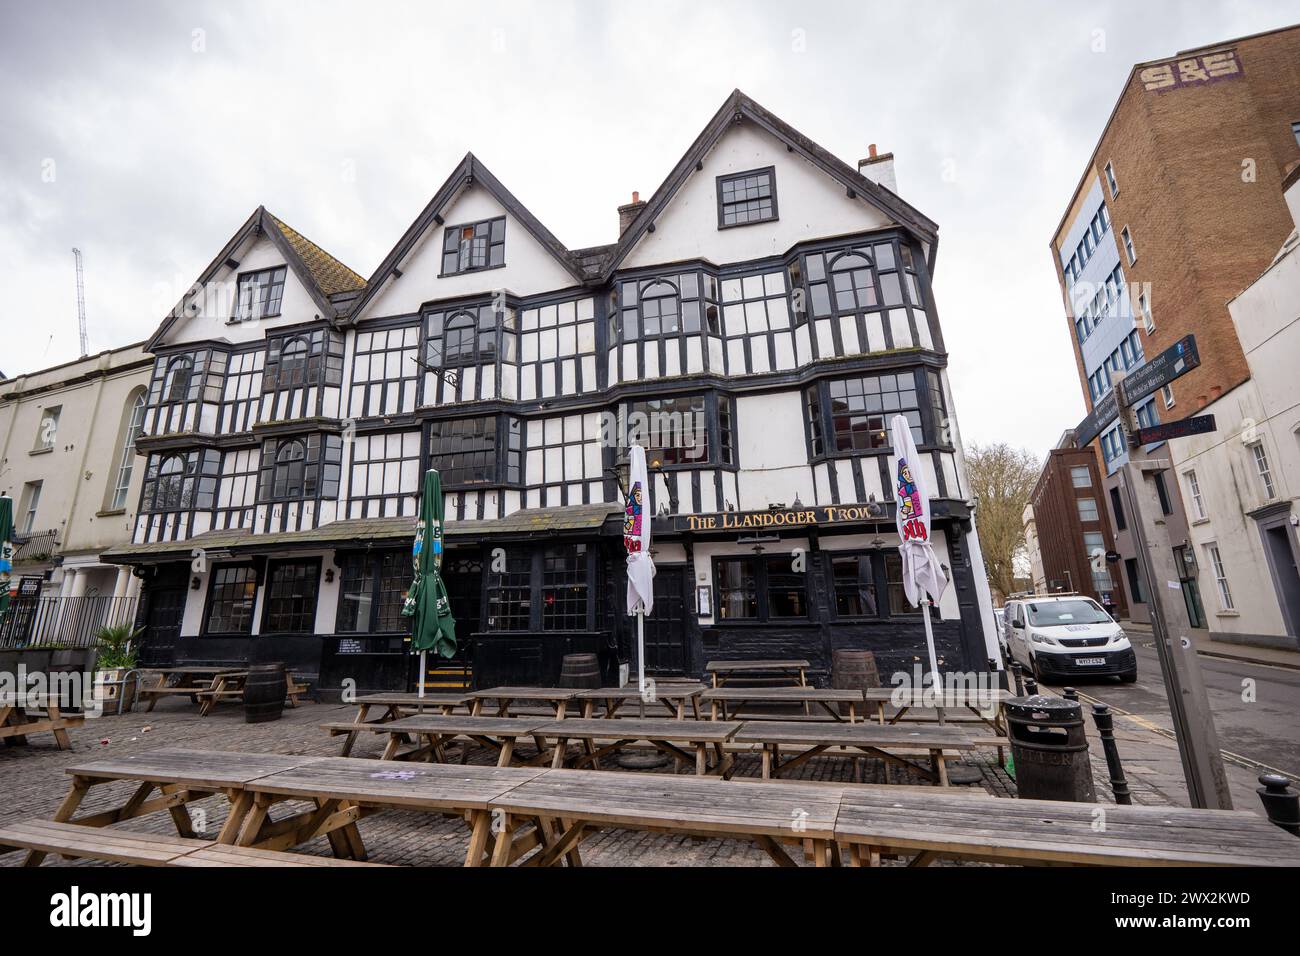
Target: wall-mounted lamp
[(195, 584), (329, 575)]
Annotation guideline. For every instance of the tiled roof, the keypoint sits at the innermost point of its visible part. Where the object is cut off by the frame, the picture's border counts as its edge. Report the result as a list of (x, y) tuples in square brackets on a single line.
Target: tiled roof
[(331, 275), (363, 531)]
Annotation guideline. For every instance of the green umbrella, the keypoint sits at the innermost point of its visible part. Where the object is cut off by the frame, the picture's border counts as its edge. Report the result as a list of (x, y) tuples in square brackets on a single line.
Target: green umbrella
[(6, 550), (433, 628)]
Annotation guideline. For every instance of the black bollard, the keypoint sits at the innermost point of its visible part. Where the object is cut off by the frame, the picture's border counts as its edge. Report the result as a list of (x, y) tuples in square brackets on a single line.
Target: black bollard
[(999, 675), (1018, 674), (1105, 722), (1031, 686), (1069, 693), (1281, 803)]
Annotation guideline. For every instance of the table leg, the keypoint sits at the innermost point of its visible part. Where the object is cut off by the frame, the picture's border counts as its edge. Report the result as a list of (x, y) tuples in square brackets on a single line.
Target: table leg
[(60, 733), (561, 747), (239, 808), (880, 712), (588, 706), (507, 751), (77, 793), (351, 738), (505, 839), (767, 762), (940, 766), (701, 759), (390, 749), (480, 830)]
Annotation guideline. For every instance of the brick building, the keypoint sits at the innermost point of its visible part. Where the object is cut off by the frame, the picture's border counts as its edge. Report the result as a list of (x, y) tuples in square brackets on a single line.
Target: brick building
[(1070, 517), (1178, 209)]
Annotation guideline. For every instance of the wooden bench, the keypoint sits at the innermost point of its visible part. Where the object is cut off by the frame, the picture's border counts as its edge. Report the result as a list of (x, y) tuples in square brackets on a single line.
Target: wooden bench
[(395, 705), (496, 733), (666, 734), (17, 721), (75, 841)]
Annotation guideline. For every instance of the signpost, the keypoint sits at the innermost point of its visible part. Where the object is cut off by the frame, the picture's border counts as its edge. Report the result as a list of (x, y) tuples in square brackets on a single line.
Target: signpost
[(1198, 742), (1196, 425)]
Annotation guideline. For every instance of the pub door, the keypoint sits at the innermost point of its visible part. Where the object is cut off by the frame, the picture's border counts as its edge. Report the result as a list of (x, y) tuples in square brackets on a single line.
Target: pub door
[(164, 595), (463, 578), (665, 628)]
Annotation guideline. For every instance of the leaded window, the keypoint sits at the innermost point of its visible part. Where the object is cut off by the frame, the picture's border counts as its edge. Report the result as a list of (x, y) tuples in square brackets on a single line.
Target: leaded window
[(747, 197), (176, 385), (474, 245), (666, 305), (564, 588), (676, 431), (475, 451), (231, 599), (302, 359), (259, 294), (181, 481), (854, 583), (854, 414), (371, 591), (760, 588), (862, 278), (509, 594), (300, 467), (462, 337), (291, 590)]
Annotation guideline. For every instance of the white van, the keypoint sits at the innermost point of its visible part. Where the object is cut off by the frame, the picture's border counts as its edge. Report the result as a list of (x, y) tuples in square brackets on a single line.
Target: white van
[(1059, 637)]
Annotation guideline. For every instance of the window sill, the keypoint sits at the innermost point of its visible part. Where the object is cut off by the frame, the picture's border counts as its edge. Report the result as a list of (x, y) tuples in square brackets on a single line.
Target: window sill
[(41, 451), (466, 272), (1227, 614), (110, 513), (753, 222), (1200, 521)]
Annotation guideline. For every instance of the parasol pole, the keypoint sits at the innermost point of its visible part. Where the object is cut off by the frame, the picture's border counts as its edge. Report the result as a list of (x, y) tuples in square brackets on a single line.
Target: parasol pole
[(934, 664), (640, 658), (423, 671)]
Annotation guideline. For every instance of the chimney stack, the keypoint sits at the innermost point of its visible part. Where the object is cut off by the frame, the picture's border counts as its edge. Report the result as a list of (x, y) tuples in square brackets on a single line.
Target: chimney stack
[(629, 212), (879, 168)]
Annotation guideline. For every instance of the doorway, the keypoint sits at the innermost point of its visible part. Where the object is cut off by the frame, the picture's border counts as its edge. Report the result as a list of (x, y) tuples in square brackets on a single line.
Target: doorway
[(165, 595), (1286, 577), (665, 628)]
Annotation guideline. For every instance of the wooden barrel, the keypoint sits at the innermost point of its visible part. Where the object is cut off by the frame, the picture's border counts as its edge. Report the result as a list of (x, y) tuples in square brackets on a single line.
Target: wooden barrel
[(853, 669), (264, 691), (580, 670)]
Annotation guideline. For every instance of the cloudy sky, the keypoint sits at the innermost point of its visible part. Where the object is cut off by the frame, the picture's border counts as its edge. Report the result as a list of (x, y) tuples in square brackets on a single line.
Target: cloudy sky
[(145, 133)]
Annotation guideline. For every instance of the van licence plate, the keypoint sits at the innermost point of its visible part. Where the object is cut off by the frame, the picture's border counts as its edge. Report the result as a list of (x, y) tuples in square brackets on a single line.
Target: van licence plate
[(1085, 661)]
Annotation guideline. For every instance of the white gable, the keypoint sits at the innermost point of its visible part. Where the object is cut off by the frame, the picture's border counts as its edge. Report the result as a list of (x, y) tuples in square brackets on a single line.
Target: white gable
[(810, 204), (216, 303), (530, 268)]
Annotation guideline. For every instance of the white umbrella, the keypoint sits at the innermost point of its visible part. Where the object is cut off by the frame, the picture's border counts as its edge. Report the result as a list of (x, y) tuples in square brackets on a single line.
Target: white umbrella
[(640, 566), (922, 572)]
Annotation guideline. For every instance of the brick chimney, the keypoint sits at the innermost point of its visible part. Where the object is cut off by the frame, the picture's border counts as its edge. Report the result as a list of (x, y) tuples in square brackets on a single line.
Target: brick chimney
[(879, 169), (629, 212)]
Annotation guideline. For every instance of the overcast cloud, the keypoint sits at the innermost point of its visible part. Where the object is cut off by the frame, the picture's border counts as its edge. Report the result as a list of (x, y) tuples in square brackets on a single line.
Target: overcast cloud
[(145, 133)]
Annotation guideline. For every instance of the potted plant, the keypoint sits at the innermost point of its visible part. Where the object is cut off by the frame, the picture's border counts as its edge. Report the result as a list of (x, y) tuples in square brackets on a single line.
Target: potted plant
[(116, 657)]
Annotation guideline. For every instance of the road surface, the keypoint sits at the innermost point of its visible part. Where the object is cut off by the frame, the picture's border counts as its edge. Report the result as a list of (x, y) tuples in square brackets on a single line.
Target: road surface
[(1265, 730)]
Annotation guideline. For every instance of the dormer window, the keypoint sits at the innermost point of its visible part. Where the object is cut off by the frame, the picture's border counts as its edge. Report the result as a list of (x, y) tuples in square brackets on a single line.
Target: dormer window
[(745, 198), (259, 295), (474, 245)]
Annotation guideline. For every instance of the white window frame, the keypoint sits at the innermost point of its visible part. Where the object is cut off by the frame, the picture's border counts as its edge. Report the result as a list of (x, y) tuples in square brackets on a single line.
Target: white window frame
[(32, 501), (1096, 510), (1194, 492), (1262, 468), (126, 463), (1074, 482), (1111, 181), (1130, 250), (1167, 393), (1144, 309), (1220, 576)]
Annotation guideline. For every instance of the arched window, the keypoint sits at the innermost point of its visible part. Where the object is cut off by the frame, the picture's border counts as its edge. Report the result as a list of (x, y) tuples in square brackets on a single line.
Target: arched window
[(851, 283), (126, 450), (459, 339), (169, 493), (176, 385), (661, 309), (293, 362), (289, 470)]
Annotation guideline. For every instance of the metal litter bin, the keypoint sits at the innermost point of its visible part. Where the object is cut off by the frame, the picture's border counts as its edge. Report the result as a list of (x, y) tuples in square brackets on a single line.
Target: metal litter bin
[(1050, 749)]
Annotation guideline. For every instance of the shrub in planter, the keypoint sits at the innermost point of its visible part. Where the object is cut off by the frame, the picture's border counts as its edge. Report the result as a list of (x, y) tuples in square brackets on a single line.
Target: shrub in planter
[(116, 657)]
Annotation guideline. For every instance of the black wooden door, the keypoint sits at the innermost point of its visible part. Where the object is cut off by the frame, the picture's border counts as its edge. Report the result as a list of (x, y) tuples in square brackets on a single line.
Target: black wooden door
[(665, 627), (165, 598)]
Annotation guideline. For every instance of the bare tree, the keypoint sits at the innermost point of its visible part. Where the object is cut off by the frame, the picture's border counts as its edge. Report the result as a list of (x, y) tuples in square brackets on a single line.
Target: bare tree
[(1002, 478)]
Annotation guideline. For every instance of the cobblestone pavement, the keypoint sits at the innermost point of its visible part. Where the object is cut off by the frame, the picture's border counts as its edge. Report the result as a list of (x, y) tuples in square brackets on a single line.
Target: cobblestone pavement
[(33, 782)]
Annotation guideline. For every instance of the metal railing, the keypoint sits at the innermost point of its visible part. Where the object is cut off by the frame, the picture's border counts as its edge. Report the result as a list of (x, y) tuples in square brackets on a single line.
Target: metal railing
[(68, 621), (35, 545)]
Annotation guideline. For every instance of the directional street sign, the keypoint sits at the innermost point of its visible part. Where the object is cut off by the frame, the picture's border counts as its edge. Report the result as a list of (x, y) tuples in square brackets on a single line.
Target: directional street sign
[(1179, 359), (1197, 425)]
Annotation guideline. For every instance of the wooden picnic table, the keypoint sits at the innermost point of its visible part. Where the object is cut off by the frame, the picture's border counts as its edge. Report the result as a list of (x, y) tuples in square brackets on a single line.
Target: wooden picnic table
[(674, 696), (395, 705), (557, 697), (719, 698), (497, 733), (346, 790), (222, 683), (179, 776), (586, 801), (992, 829), (665, 734), (986, 704), (18, 720), (784, 671), (876, 741)]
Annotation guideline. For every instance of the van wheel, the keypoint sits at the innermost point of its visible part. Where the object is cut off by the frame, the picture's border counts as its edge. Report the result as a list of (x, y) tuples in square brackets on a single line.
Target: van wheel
[(1033, 665), (1129, 677)]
